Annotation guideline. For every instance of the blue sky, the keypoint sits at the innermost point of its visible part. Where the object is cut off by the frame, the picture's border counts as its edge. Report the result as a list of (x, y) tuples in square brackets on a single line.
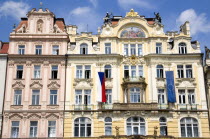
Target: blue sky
[(91, 12)]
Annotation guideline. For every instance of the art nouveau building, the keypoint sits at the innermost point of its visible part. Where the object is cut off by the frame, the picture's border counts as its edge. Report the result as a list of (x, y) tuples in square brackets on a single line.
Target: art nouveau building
[(135, 53), (35, 86), (3, 62)]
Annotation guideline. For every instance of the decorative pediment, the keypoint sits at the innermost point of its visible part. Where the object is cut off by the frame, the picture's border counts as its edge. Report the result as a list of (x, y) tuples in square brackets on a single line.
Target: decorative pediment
[(185, 82), (34, 116), (36, 85), (52, 116), (83, 83), (53, 85), (161, 82), (109, 83), (133, 60), (18, 85), (15, 117)]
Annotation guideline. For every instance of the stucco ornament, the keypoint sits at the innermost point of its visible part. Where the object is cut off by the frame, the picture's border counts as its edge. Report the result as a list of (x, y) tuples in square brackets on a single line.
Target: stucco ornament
[(18, 85), (133, 60), (132, 14)]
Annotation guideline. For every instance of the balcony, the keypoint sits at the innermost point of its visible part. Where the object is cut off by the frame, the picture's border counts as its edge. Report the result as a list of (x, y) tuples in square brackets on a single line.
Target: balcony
[(130, 106), (136, 81), (187, 106), (83, 107)]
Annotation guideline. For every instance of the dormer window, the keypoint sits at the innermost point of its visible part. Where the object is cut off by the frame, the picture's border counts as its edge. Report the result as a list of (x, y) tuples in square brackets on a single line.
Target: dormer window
[(83, 49), (182, 48)]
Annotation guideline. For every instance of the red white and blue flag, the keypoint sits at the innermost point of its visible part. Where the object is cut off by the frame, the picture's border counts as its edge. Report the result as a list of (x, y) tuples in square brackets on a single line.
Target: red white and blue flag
[(101, 87)]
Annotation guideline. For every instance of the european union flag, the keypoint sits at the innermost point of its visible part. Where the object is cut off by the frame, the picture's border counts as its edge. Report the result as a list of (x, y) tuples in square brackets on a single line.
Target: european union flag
[(170, 86)]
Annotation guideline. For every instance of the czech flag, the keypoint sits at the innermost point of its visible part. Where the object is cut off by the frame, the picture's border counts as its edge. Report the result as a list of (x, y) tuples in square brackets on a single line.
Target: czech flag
[(101, 87)]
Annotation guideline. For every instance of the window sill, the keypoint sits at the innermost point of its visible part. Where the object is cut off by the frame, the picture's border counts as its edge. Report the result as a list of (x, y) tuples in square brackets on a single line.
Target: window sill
[(36, 78), (52, 105), (34, 105), (19, 79), (54, 79)]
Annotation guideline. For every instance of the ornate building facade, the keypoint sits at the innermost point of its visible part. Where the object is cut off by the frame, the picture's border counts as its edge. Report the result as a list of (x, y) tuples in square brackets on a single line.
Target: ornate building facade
[(34, 98), (3, 62), (136, 55)]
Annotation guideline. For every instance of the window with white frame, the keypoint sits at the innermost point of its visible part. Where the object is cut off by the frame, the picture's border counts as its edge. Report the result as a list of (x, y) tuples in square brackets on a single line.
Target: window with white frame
[(84, 48), (38, 50), (19, 74), (182, 96), (184, 71), (15, 129), (82, 127), (108, 126), (51, 128), (189, 127), (159, 70), (161, 96), (158, 48), (21, 49), (109, 96), (135, 96), (54, 72), (191, 96), (108, 48), (133, 49), (83, 71), (35, 97), (133, 71), (163, 126), (17, 97), (53, 97), (55, 50), (37, 71), (108, 71), (182, 48), (82, 97), (135, 126), (33, 129)]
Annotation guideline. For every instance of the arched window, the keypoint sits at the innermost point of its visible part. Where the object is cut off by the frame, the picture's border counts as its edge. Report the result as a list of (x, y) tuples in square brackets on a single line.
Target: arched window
[(163, 126), (108, 126), (189, 127), (108, 71), (182, 48), (135, 126), (82, 127), (83, 48), (159, 71)]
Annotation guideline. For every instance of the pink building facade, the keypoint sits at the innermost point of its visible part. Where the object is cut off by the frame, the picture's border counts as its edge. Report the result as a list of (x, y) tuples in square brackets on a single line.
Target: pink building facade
[(35, 84)]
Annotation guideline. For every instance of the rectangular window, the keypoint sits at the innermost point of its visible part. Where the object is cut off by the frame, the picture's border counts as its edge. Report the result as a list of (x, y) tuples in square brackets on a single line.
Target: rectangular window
[(126, 49), (53, 97), (140, 53), (134, 95), (158, 48), (87, 72), (161, 96), (133, 49), (87, 97), (19, 74), (191, 96), (126, 71), (55, 50), (17, 97), (78, 97), (21, 49), (182, 97), (180, 71), (33, 129), (108, 71), (188, 71), (38, 50), (79, 72), (141, 73), (35, 97), (37, 71), (109, 96), (15, 129), (107, 48), (51, 128), (54, 74), (133, 71)]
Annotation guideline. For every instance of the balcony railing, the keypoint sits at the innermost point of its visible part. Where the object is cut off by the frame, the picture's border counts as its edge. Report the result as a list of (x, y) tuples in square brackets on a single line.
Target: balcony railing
[(134, 79), (187, 106), (83, 107)]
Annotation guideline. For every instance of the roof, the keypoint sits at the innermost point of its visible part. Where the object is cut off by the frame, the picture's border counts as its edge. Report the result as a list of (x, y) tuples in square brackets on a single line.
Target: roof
[(4, 47)]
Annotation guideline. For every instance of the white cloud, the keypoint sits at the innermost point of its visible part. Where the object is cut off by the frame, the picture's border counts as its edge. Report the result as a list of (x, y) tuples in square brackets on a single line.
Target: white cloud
[(198, 23), (14, 9), (94, 2), (128, 4), (83, 16)]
